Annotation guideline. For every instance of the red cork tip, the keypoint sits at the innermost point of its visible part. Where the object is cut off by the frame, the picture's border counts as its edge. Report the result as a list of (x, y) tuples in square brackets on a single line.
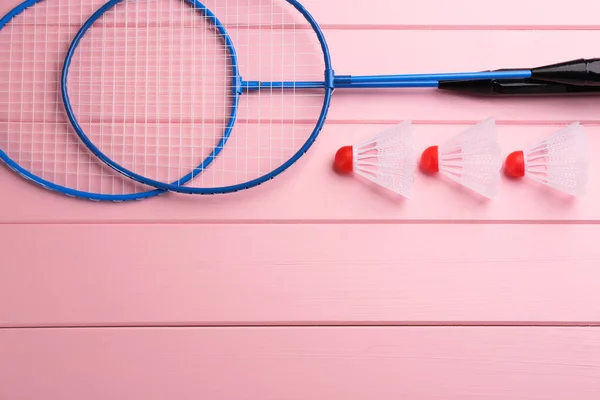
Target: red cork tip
[(515, 165), (344, 160), (429, 160)]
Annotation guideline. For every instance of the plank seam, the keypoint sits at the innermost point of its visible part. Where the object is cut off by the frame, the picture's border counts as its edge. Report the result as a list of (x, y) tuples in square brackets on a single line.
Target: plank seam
[(311, 222), (496, 324)]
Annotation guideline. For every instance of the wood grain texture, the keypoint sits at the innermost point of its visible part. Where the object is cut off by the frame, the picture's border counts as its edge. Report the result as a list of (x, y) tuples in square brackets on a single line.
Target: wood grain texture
[(301, 363), (535, 14), (299, 274)]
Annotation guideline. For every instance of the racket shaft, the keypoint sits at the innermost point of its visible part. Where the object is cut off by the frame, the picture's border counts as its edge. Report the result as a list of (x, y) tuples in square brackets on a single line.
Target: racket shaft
[(388, 81), (505, 74), (255, 85)]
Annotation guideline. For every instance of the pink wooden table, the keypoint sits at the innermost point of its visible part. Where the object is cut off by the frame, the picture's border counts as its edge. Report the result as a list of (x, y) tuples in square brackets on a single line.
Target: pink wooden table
[(271, 295)]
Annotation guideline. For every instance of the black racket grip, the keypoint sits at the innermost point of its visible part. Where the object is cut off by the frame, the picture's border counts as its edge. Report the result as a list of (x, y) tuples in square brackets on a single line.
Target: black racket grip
[(580, 72), (516, 87)]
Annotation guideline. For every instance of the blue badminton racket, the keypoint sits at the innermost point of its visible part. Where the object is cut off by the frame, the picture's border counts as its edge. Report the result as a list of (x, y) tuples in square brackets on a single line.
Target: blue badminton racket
[(219, 96)]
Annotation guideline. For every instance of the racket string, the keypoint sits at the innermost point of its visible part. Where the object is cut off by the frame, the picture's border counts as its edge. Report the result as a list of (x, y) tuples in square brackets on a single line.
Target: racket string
[(166, 71)]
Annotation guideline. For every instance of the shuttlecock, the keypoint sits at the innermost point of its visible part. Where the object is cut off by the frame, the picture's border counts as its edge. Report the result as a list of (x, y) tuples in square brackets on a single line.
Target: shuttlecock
[(559, 161), (472, 158), (388, 159)]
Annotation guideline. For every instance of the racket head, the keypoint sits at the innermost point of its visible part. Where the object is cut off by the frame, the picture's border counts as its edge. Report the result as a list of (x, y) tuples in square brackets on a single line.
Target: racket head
[(36, 140), (224, 175)]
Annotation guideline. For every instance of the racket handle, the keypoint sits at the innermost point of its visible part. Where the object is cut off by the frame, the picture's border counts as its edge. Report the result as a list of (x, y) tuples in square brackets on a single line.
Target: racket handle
[(580, 72), (516, 87)]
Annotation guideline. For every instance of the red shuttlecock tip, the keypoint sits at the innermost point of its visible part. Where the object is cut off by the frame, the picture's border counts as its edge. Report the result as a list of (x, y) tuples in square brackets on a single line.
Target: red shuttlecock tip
[(344, 162), (515, 165), (429, 160)]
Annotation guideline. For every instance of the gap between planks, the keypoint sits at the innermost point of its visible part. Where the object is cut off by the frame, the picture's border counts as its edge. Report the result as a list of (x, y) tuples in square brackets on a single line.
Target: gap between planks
[(466, 324), (312, 222)]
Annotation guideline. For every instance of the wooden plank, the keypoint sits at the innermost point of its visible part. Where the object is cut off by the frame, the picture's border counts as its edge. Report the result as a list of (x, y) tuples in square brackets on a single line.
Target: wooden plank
[(431, 13), (298, 363), (460, 13), (298, 274), (311, 190)]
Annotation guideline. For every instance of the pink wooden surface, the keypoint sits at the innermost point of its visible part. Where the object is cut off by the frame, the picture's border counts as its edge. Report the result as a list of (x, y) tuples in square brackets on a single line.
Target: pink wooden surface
[(301, 363), (300, 274), (338, 254)]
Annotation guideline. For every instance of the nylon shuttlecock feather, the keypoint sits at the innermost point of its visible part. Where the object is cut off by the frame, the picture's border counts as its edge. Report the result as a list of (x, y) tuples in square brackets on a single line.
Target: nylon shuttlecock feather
[(559, 161), (472, 158), (388, 159)]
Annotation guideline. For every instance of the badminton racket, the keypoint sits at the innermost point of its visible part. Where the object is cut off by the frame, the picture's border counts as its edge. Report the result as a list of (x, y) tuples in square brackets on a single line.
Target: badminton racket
[(36, 139), (223, 95)]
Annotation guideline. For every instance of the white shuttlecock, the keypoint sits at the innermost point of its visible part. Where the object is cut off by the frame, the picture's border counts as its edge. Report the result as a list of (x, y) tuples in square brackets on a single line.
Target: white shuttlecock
[(472, 158), (559, 161), (388, 159)]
